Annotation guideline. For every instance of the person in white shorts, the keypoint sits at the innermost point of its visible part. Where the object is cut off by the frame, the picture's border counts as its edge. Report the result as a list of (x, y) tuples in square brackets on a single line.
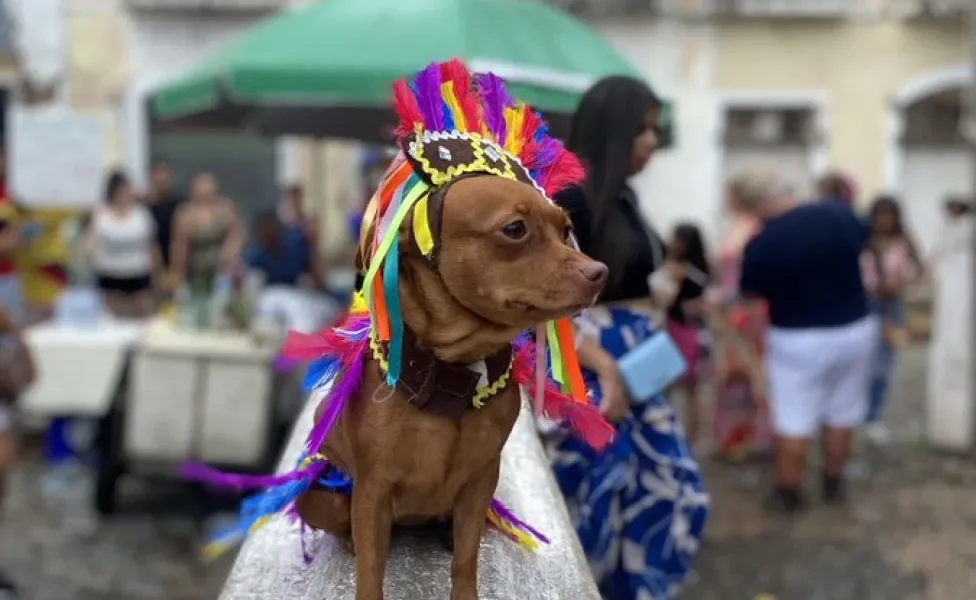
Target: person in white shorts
[(820, 345)]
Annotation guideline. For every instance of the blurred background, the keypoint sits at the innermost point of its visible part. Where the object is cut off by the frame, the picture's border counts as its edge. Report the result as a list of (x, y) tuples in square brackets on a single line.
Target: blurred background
[(875, 91)]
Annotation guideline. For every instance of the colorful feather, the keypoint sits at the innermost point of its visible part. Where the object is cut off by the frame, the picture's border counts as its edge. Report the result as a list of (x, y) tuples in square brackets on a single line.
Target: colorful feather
[(494, 101), (584, 420), (565, 171), (515, 139), (406, 106), (427, 87), (457, 73)]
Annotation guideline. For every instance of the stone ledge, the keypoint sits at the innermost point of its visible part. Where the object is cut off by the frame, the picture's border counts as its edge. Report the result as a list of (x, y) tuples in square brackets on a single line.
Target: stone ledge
[(270, 565)]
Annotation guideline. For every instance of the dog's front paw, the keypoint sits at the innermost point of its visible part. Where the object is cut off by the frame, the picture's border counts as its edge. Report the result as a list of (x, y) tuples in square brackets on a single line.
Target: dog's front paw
[(464, 589), (467, 594)]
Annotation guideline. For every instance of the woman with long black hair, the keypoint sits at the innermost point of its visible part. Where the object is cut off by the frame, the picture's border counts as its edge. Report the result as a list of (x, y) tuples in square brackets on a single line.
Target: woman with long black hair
[(639, 506)]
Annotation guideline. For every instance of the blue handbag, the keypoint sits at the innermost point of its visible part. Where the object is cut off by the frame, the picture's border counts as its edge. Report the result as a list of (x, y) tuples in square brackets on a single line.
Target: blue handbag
[(651, 367)]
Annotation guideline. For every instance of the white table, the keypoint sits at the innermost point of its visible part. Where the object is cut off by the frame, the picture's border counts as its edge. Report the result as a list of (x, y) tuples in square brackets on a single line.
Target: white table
[(198, 396), (78, 367)]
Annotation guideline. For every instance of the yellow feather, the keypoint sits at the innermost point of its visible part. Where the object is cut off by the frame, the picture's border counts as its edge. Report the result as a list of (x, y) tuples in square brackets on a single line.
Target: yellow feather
[(421, 227), (215, 550), (523, 539), (450, 99), (359, 304), (514, 119), (259, 524)]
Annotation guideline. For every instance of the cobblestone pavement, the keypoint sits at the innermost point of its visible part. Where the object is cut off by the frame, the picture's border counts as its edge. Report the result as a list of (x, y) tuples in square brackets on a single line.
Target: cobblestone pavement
[(55, 549), (908, 535)]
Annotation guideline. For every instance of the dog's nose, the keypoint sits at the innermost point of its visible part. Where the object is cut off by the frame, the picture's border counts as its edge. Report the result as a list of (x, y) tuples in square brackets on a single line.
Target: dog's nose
[(595, 272)]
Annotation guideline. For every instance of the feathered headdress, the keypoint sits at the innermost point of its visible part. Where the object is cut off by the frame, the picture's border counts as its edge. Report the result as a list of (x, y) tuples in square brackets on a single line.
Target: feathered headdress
[(452, 124)]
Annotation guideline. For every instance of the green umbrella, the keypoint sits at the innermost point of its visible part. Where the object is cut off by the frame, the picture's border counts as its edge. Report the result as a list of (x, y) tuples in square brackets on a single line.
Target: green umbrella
[(327, 68)]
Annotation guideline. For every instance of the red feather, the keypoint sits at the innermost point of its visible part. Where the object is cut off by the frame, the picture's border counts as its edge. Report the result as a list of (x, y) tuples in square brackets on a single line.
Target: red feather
[(531, 123), (456, 71), (584, 419), (567, 170), (406, 107), (301, 346)]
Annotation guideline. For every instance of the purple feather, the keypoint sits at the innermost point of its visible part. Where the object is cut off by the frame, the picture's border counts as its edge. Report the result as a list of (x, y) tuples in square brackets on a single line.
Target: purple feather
[(284, 364), (495, 100), (547, 153), (232, 481), (342, 389), (427, 84), (505, 513)]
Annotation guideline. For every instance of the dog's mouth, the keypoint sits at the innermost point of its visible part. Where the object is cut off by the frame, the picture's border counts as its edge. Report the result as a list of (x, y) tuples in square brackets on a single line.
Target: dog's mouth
[(545, 312)]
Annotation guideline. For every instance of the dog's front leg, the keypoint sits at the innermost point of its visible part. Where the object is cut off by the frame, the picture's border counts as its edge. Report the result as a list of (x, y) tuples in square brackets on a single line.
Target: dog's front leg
[(470, 512), (372, 521)]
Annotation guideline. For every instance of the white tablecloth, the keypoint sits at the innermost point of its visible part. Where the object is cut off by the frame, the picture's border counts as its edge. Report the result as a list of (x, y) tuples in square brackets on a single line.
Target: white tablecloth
[(297, 309), (78, 368), (199, 396)]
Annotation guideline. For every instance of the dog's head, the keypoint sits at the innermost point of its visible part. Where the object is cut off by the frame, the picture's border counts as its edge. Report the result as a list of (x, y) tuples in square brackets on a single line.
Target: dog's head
[(503, 262), (505, 253)]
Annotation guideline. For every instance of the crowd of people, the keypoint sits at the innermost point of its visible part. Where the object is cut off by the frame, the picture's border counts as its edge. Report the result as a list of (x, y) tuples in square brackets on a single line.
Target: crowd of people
[(793, 321), (144, 248), (139, 250)]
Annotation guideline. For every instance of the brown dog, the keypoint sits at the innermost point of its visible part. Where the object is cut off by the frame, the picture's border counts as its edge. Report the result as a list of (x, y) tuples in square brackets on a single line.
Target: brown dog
[(505, 265)]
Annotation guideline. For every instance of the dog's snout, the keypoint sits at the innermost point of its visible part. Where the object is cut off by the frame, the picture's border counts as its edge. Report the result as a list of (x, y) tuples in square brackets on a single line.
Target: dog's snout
[(595, 272)]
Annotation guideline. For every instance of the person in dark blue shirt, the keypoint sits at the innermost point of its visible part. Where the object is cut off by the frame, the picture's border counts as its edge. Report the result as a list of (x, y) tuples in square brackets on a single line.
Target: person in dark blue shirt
[(820, 345), (280, 252), (285, 246)]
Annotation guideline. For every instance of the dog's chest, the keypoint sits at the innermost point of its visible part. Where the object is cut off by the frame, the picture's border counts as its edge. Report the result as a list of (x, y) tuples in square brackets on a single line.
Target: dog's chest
[(438, 456), (445, 389)]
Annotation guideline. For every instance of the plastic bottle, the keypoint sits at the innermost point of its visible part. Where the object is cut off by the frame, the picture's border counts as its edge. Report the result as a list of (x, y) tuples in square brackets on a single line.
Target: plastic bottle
[(68, 481), (184, 307), (222, 295)]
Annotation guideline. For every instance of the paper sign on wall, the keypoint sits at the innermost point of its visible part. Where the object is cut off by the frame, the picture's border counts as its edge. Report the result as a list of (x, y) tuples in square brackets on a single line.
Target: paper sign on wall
[(55, 157)]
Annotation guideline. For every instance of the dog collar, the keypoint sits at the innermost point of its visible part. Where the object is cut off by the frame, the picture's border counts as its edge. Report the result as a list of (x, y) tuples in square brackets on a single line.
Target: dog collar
[(447, 389)]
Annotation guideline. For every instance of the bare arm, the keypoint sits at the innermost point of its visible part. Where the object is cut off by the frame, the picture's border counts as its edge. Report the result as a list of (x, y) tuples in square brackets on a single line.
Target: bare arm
[(10, 231), (916, 259), (156, 268), (9, 238), (179, 249), (156, 272), (593, 357), (7, 325)]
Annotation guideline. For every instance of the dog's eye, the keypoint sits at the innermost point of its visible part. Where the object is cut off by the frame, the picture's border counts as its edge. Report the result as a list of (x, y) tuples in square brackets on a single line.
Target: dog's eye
[(515, 230)]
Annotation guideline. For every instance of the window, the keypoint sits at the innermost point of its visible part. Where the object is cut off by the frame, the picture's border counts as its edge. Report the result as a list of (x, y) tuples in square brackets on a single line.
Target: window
[(935, 121), (767, 127)]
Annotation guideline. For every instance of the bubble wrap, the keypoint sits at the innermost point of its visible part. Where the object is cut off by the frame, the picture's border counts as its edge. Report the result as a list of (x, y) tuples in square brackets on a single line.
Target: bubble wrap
[(270, 565)]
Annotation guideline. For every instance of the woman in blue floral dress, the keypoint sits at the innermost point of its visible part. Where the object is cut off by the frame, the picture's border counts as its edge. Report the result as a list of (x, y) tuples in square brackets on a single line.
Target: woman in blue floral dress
[(639, 507)]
